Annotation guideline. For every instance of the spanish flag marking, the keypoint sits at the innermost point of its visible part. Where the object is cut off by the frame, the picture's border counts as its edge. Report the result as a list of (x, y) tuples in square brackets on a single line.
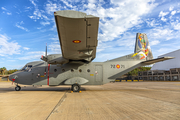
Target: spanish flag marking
[(117, 66), (76, 41)]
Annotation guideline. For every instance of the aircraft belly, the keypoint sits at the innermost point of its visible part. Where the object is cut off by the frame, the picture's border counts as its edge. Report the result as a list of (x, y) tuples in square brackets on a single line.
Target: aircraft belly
[(93, 73)]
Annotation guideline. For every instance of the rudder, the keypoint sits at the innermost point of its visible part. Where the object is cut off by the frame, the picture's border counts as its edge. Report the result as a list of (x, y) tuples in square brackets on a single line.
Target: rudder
[(142, 47)]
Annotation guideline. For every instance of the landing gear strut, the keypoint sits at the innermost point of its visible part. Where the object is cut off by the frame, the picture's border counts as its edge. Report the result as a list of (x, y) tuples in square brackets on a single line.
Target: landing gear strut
[(75, 87), (17, 88)]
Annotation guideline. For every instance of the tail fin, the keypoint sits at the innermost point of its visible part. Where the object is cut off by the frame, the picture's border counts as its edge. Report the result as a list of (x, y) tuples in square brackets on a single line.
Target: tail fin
[(142, 47)]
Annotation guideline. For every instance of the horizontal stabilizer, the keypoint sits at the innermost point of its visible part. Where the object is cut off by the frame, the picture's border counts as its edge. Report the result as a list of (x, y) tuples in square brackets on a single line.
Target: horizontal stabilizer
[(148, 62)]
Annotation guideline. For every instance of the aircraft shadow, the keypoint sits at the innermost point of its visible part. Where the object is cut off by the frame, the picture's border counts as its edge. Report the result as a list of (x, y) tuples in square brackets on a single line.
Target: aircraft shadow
[(55, 89)]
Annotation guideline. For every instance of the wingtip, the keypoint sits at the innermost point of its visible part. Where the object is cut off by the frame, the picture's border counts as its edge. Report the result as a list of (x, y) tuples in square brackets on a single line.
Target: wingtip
[(167, 57)]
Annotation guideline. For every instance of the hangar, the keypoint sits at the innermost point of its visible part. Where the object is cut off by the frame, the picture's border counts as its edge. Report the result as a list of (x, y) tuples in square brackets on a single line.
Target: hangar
[(168, 70), (168, 64)]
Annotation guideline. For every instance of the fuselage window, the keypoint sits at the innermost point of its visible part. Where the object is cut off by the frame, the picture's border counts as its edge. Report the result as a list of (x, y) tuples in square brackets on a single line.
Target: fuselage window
[(72, 70), (55, 70), (80, 70), (88, 70)]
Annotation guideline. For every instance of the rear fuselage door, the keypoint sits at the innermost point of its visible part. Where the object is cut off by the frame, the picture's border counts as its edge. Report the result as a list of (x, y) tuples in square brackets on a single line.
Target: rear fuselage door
[(98, 73)]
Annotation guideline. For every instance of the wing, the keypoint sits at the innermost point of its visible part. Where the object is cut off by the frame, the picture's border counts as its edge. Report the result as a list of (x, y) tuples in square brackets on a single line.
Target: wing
[(77, 34)]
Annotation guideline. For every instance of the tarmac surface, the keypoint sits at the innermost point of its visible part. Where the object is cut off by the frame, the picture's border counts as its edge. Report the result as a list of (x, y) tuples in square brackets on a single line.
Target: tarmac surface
[(112, 101)]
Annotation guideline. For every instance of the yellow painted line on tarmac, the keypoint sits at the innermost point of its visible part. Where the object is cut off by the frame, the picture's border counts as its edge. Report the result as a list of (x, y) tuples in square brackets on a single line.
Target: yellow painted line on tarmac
[(117, 80), (177, 84), (135, 80), (129, 80), (123, 80)]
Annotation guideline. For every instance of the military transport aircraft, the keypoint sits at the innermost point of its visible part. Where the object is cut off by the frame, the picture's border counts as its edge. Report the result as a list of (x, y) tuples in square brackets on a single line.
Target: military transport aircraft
[(77, 33)]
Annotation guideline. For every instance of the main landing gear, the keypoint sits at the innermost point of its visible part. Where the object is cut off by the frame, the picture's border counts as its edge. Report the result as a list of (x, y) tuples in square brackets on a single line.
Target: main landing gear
[(75, 87), (17, 88)]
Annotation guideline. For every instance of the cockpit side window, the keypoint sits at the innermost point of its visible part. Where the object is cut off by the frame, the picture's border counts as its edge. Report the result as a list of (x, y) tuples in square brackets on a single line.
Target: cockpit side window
[(27, 68)]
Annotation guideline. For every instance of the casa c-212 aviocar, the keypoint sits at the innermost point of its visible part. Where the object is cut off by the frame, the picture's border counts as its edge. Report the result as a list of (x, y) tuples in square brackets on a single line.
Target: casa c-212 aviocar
[(77, 33)]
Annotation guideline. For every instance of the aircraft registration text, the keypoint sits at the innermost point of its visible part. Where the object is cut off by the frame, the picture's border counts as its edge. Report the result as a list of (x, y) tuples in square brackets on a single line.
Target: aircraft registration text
[(117, 66)]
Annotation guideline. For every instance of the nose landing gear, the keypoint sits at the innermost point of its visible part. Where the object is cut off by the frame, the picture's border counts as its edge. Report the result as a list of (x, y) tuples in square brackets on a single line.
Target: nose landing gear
[(17, 88), (75, 87)]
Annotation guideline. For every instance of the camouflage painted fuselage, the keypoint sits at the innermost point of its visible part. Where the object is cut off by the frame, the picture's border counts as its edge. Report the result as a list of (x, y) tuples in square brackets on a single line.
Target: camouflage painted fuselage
[(95, 73)]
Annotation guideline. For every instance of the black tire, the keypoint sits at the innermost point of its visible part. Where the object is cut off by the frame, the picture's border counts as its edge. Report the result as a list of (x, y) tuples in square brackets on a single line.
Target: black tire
[(75, 88), (17, 88)]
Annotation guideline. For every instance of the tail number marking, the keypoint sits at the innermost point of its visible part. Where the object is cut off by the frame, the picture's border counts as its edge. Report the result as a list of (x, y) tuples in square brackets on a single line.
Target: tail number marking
[(117, 66)]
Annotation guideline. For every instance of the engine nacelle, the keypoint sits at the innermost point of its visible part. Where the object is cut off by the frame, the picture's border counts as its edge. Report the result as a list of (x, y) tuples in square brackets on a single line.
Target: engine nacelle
[(55, 59)]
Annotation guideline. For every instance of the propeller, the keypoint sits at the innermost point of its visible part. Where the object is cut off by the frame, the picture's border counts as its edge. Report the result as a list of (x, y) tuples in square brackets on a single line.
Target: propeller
[(44, 58)]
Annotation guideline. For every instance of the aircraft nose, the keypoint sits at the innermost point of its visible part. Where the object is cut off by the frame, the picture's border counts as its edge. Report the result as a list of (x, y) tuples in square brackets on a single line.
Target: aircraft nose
[(13, 77), (10, 77)]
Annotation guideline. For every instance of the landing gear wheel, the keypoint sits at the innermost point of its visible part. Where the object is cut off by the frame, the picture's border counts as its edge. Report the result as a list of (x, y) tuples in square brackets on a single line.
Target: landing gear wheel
[(75, 87), (17, 88)]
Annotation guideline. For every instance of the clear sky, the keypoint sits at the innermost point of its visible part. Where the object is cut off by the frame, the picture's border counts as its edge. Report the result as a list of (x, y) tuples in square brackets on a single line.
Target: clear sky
[(27, 25)]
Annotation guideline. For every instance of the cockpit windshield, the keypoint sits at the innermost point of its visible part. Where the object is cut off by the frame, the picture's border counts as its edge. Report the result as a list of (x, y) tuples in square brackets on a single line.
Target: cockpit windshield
[(27, 68)]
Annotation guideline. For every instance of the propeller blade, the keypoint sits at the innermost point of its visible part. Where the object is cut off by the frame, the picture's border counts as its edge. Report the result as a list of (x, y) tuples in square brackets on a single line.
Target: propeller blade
[(46, 50), (44, 58)]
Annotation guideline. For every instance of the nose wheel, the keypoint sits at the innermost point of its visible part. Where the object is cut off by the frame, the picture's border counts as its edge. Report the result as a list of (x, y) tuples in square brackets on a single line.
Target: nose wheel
[(75, 88), (17, 88)]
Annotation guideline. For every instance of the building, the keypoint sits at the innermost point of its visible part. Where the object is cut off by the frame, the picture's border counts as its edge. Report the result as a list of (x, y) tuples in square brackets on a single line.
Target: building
[(168, 64), (160, 75), (168, 70)]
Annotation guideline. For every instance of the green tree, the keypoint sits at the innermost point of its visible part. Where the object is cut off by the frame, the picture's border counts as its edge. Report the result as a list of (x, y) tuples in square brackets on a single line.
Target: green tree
[(3, 70), (136, 70), (11, 71)]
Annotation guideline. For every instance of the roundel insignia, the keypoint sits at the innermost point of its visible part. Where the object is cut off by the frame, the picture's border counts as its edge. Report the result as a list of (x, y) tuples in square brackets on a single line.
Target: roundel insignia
[(118, 66), (76, 41)]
